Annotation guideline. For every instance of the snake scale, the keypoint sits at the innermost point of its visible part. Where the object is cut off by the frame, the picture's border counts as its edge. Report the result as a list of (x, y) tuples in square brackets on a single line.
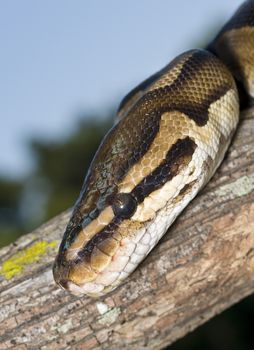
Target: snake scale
[(171, 135)]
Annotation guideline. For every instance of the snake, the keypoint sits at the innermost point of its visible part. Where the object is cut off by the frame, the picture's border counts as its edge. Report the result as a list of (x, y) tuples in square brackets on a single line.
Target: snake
[(171, 134)]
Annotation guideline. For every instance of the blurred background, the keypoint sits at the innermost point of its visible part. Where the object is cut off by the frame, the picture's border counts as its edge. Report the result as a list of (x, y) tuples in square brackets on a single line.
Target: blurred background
[(65, 65)]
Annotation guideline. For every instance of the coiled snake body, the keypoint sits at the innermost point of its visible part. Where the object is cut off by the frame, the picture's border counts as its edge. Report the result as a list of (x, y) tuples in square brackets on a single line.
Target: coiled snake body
[(172, 134)]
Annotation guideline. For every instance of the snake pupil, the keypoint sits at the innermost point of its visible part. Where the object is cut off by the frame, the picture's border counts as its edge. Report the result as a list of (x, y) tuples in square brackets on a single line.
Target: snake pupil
[(124, 205)]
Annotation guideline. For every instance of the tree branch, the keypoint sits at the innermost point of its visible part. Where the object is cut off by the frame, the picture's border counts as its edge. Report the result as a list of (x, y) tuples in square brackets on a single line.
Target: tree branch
[(203, 265)]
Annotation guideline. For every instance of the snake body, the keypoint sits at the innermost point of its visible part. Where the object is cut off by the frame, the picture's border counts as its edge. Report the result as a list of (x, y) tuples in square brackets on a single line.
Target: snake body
[(172, 133)]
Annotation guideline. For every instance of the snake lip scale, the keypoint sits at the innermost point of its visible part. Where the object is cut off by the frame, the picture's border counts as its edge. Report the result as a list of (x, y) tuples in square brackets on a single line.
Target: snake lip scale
[(171, 134)]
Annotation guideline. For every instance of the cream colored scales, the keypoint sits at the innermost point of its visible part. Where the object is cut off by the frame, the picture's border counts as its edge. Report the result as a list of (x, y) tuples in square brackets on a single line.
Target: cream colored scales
[(172, 134)]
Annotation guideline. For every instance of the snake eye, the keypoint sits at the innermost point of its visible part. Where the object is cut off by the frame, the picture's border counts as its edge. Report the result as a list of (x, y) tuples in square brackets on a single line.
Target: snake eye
[(124, 205)]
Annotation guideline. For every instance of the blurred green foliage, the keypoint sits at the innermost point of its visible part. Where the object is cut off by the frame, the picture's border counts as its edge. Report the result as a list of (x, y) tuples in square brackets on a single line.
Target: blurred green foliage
[(10, 220), (54, 185), (62, 165)]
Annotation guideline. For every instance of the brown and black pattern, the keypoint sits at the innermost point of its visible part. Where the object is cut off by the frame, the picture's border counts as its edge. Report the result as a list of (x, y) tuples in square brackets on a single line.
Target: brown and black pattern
[(177, 158), (190, 92), (135, 94), (122, 147), (165, 76), (234, 45), (193, 92), (242, 17)]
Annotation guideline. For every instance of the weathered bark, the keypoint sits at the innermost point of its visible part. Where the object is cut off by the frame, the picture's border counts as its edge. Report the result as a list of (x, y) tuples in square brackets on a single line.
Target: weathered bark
[(204, 264)]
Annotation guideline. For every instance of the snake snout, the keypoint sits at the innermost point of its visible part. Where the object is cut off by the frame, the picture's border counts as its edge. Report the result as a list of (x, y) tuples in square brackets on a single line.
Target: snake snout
[(78, 279)]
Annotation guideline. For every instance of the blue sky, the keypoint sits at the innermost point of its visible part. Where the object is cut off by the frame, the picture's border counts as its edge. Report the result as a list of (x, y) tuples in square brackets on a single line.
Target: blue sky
[(59, 58)]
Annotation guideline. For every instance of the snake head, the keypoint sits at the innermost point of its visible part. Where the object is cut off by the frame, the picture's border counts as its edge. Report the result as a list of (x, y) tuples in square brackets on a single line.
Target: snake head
[(94, 249), (147, 169)]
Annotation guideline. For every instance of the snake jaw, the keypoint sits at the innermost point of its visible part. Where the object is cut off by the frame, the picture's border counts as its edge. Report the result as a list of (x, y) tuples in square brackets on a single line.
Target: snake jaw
[(90, 289)]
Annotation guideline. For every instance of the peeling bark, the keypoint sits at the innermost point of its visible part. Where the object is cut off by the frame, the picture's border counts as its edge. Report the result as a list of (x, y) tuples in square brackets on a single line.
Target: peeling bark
[(203, 265)]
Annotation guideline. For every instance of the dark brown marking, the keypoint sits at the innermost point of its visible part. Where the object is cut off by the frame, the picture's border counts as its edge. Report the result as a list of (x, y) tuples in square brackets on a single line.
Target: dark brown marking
[(186, 189), (106, 232), (135, 94), (244, 16), (69, 237), (234, 45), (202, 80), (177, 158)]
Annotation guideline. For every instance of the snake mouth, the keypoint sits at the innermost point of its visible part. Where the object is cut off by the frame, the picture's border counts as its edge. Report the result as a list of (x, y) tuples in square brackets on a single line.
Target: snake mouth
[(89, 288), (70, 286)]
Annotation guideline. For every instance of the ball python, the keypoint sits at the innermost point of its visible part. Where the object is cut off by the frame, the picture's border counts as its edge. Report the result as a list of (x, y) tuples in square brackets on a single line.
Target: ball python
[(171, 135)]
